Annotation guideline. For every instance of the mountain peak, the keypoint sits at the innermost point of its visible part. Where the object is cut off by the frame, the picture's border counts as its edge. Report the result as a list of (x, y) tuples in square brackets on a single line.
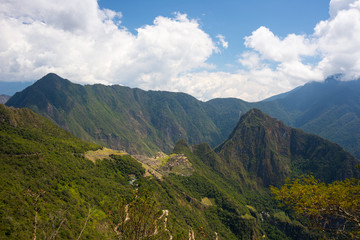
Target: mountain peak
[(270, 151), (52, 79), (256, 118), (254, 113)]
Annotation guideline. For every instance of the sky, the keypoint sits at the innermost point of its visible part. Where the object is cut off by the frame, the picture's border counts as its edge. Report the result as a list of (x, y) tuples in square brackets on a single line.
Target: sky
[(207, 48)]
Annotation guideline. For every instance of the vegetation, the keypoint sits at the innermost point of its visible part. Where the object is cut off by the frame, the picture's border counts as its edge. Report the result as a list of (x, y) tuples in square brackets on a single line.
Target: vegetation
[(333, 207), (55, 185), (49, 190), (265, 152)]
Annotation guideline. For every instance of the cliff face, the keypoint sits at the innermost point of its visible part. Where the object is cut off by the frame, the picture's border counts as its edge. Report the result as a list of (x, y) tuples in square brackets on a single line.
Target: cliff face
[(263, 150)]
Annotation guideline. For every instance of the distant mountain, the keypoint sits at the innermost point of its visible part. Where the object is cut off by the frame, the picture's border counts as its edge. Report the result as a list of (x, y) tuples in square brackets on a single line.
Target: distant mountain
[(330, 109), (148, 121), (263, 150), (120, 117), (4, 98)]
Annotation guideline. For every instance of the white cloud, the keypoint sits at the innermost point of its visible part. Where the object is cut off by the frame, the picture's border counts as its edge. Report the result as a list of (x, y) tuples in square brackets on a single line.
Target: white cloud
[(339, 40), (333, 48), (82, 42), (274, 64), (338, 5), (273, 48), (251, 60), (78, 40), (222, 41)]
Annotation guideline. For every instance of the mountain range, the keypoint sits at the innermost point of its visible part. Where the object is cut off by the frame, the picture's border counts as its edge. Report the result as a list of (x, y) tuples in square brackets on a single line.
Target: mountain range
[(46, 172), (150, 121)]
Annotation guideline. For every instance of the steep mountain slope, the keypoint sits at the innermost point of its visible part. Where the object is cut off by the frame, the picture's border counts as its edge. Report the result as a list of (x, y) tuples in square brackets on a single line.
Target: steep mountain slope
[(49, 190), (330, 109), (44, 173), (262, 150), (119, 117)]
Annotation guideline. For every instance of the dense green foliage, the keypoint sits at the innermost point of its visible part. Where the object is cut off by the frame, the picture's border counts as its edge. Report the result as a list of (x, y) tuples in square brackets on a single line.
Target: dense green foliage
[(249, 213), (48, 185), (333, 207), (43, 174)]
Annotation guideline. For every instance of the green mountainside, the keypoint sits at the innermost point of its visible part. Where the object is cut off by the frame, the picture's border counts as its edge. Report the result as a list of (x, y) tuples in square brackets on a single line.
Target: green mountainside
[(119, 117), (263, 151), (149, 121), (330, 109), (49, 185)]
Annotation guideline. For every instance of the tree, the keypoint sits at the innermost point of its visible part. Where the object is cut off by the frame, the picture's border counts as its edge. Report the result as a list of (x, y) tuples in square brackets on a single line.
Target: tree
[(333, 207), (141, 218)]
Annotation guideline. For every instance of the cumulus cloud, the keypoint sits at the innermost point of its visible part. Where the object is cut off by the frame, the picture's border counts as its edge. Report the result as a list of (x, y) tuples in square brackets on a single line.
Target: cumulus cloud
[(333, 48), (84, 43), (208, 85), (339, 39), (274, 64), (80, 41), (272, 48)]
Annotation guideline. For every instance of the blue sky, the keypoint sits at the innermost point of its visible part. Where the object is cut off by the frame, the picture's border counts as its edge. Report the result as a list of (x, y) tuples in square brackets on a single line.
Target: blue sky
[(233, 19), (245, 49)]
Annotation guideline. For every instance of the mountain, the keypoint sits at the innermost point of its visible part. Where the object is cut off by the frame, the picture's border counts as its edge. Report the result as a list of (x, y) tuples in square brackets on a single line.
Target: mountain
[(264, 151), (120, 117), (149, 121), (66, 188), (4, 98), (330, 109), (52, 189)]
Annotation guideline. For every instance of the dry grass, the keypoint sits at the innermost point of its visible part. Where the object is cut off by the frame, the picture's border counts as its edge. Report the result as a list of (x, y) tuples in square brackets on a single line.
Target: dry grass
[(103, 153), (206, 201)]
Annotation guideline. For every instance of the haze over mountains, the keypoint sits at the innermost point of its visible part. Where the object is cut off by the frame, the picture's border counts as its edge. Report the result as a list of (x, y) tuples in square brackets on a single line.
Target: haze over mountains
[(110, 115)]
